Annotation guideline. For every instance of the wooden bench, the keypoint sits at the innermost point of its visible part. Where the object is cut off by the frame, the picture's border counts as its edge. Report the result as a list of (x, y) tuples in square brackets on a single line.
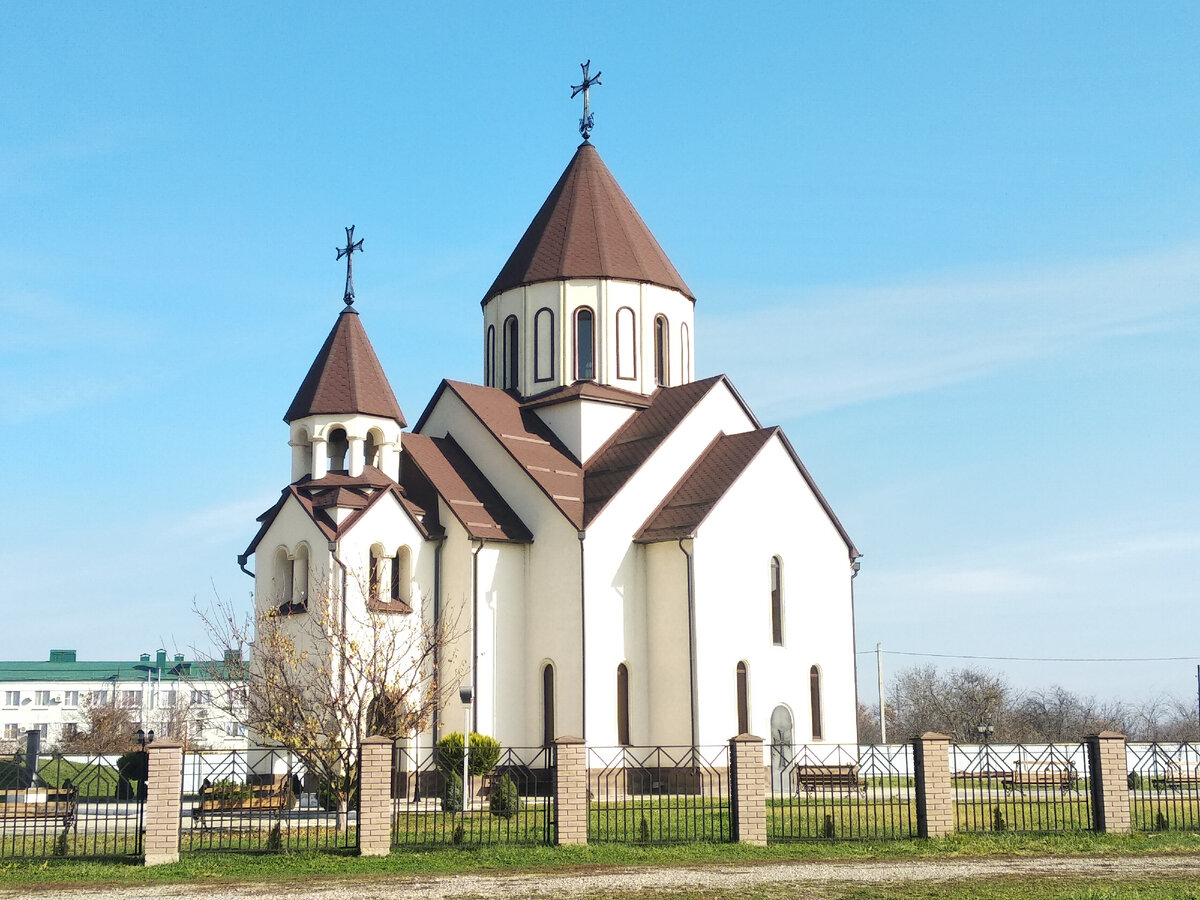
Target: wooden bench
[(40, 804), (1176, 778), (270, 796), (1041, 774), (842, 778)]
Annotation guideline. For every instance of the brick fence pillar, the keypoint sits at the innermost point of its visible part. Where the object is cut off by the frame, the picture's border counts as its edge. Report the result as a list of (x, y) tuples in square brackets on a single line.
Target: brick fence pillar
[(935, 789), (1109, 777), (570, 791), (375, 796), (164, 795), (747, 790)]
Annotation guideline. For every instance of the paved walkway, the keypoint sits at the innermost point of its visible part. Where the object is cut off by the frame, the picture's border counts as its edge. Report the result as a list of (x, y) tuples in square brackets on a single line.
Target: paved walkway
[(607, 882)]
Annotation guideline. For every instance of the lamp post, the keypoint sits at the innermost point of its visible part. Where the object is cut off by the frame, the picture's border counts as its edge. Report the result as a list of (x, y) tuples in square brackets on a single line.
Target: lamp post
[(985, 729), (465, 695), (143, 738)]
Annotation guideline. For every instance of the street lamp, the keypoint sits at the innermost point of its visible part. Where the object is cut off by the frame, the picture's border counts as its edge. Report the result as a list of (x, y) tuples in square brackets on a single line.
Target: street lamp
[(985, 732), (143, 738), (465, 695)]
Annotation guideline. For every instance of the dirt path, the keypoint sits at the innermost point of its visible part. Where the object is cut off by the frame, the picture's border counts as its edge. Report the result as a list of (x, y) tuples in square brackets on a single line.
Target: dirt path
[(606, 882)]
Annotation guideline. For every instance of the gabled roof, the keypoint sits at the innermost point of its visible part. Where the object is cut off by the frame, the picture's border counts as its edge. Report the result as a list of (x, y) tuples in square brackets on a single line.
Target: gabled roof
[(526, 438), (587, 228), (586, 390), (346, 377), (475, 503), (624, 453)]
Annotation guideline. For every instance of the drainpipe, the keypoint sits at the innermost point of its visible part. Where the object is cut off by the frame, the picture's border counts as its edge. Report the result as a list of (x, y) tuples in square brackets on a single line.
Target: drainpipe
[(691, 605), (582, 642), (333, 551), (855, 565), (437, 630), (242, 560), (474, 636)]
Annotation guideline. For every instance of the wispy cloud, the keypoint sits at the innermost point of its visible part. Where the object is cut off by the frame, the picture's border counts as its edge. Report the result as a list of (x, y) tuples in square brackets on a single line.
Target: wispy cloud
[(842, 346)]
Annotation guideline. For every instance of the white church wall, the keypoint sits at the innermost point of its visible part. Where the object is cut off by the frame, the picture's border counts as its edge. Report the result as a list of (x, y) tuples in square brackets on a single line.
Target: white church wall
[(504, 676), (584, 425), (663, 698), (770, 510)]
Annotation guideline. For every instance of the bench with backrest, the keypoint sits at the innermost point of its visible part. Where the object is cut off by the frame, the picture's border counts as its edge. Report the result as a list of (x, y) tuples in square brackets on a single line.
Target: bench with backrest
[(842, 778), (1038, 774), (1175, 777), (269, 796), (39, 803)]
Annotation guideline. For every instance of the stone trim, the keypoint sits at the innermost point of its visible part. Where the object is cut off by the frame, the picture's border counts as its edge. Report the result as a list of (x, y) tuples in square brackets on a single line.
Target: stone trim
[(1109, 779), (164, 791), (934, 785), (747, 790), (375, 796)]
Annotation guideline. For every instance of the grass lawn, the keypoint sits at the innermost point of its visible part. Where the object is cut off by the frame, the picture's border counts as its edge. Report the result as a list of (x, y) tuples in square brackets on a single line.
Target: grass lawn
[(215, 867)]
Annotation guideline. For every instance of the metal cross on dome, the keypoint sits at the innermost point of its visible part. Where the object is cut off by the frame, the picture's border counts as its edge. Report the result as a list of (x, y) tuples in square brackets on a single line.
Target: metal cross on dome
[(588, 120), (348, 252)]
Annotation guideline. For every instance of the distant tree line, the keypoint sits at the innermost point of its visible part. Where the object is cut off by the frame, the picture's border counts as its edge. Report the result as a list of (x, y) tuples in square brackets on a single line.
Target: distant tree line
[(956, 701)]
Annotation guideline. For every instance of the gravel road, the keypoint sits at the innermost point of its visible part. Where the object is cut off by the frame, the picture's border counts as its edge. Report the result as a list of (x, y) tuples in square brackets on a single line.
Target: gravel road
[(609, 882)]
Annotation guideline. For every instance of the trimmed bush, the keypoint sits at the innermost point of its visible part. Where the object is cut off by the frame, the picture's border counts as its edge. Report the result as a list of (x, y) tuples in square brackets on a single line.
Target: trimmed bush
[(504, 800), (452, 793), (485, 753), (327, 797)]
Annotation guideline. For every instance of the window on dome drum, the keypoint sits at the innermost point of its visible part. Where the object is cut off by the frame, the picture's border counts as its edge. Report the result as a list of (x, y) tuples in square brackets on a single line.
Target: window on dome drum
[(626, 344), (685, 355), (585, 345), (776, 601), (543, 345), (489, 357), (814, 699), (512, 363), (743, 699), (623, 705), (547, 705), (338, 448), (661, 358)]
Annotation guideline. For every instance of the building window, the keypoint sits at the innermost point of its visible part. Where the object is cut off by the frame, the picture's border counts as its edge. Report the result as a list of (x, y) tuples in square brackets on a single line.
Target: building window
[(300, 577), (285, 576), (814, 697), (98, 698), (70, 698), (543, 345), (777, 601), (70, 730), (171, 698), (201, 698), (585, 345), (626, 344), (235, 729), (623, 705), (375, 573), (661, 347), (12, 698), (743, 699), (44, 731), (41, 698), (489, 357), (131, 698), (402, 576), (547, 705), (685, 355), (512, 362), (12, 731)]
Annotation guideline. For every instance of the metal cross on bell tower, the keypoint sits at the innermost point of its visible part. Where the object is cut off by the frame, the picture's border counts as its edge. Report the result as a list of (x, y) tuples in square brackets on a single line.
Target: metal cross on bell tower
[(588, 120), (348, 251)]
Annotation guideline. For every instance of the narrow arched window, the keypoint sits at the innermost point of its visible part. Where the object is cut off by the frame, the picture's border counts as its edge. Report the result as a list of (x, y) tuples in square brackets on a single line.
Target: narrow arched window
[(284, 577), (814, 699), (547, 705), (512, 364), (626, 344), (489, 357), (776, 601), (402, 576), (585, 345), (685, 355), (376, 572), (661, 358), (543, 345), (743, 699), (338, 447), (300, 576), (623, 705)]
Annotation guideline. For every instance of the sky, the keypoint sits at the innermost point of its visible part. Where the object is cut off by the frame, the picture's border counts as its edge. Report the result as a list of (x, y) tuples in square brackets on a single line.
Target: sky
[(953, 249)]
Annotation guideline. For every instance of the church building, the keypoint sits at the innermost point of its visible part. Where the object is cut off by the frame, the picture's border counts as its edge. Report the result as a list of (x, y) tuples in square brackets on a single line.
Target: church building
[(630, 556)]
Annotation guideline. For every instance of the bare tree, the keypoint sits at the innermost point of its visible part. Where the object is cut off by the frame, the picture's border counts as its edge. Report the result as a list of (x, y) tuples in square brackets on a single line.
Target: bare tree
[(107, 726), (954, 702)]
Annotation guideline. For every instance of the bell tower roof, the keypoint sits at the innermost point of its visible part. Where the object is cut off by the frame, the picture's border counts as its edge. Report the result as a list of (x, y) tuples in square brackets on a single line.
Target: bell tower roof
[(346, 377), (587, 228)]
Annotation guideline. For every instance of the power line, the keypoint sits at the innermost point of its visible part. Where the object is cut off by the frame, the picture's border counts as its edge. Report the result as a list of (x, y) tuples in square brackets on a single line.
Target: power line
[(1083, 659)]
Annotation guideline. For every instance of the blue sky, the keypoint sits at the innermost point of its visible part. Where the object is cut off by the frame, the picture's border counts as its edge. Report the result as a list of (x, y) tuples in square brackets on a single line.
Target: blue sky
[(954, 249)]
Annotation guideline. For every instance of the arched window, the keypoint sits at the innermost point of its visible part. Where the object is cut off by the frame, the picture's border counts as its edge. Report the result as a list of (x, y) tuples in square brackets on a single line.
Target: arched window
[(814, 699), (489, 358), (402, 577), (626, 344), (376, 573), (547, 705), (743, 699), (372, 455), (301, 455), (543, 345), (300, 576), (685, 355), (512, 363), (623, 705), (284, 578), (585, 345), (338, 447), (776, 601), (661, 359)]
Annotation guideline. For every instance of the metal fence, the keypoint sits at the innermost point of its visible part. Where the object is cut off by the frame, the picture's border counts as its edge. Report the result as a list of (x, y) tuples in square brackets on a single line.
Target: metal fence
[(511, 803), (1164, 786), (658, 795), (841, 791), (266, 800), (1018, 787), (81, 806)]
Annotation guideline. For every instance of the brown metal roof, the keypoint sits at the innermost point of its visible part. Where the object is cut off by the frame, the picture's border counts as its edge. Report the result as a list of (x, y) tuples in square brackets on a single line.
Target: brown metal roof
[(471, 497), (528, 440), (346, 377), (706, 482), (587, 228)]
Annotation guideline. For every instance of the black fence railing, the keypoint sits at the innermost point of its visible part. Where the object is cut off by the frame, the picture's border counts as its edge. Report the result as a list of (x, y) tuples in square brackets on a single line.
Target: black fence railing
[(265, 800), (80, 806), (841, 792), (1018, 787), (658, 795), (511, 803), (1164, 786)]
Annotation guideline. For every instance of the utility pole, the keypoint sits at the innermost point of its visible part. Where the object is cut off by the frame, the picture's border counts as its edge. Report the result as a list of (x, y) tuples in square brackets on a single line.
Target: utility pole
[(882, 717)]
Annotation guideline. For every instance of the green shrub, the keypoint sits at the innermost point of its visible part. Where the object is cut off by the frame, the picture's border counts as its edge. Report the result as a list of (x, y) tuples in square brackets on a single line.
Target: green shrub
[(504, 800), (485, 753), (327, 795), (452, 793)]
